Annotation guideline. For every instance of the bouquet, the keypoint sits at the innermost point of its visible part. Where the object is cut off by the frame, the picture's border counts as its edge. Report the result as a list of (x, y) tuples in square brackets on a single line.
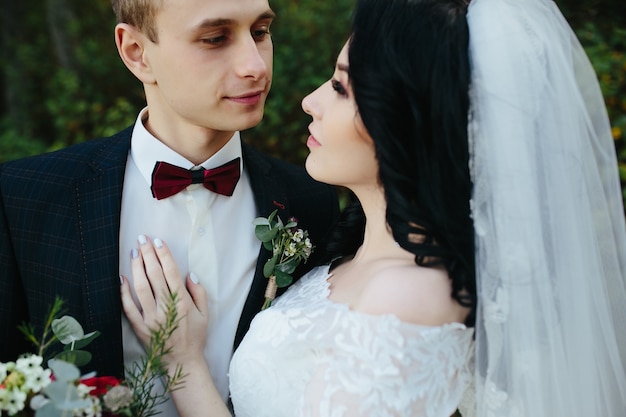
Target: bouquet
[(289, 247), (57, 389)]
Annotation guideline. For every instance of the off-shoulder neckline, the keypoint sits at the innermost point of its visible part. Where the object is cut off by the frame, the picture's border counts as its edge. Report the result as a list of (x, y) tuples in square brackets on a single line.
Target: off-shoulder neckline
[(388, 316)]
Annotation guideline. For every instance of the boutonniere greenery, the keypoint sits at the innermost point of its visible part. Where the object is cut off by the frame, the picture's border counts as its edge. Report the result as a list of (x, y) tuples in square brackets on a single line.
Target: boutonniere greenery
[(289, 246), (42, 386)]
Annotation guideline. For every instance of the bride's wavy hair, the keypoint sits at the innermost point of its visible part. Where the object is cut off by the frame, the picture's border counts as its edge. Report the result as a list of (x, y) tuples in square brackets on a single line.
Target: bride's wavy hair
[(410, 75)]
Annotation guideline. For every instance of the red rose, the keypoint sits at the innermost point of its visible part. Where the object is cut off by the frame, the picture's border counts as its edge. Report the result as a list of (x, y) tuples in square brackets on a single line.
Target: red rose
[(101, 384)]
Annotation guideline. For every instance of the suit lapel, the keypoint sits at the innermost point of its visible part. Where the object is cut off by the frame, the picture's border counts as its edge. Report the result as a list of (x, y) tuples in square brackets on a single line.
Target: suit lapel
[(98, 196), (269, 195)]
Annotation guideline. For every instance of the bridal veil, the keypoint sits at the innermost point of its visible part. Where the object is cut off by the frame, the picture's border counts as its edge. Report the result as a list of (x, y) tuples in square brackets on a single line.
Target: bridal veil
[(548, 217)]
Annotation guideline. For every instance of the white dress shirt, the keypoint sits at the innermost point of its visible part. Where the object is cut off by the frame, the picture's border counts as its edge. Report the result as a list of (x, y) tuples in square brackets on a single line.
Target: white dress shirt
[(209, 234)]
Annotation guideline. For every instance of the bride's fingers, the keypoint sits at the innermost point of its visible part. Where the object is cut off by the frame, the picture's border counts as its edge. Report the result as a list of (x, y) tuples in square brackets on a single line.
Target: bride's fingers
[(141, 284), (169, 269), (198, 294), (133, 314), (152, 267)]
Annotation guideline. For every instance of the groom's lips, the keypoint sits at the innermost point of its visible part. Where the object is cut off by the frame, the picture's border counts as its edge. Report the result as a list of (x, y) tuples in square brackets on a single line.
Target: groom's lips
[(247, 98)]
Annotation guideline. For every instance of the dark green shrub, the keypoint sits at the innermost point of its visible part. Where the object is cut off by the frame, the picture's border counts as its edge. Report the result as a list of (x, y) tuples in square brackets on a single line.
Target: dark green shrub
[(57, 94)]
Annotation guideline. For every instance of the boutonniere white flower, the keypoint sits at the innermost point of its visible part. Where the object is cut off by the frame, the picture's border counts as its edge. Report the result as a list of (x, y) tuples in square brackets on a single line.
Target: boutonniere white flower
[(289, 246)]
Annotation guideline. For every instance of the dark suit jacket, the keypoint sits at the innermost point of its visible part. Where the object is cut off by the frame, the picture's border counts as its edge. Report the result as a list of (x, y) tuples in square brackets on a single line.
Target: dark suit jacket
[(59, 236)]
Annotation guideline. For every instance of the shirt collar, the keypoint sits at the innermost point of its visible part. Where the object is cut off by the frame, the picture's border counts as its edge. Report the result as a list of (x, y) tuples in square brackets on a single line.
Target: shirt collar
[(146, 150)]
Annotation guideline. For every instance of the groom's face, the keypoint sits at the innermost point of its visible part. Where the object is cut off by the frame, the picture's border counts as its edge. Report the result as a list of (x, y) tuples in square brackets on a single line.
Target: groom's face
[(212, 62)]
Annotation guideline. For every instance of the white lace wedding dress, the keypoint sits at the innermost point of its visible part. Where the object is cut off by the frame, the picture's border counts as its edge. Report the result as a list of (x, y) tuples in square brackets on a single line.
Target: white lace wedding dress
[(308, 356)]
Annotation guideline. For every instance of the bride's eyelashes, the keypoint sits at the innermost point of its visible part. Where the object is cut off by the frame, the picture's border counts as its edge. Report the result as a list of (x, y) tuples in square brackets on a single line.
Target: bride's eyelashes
[(339, 88)]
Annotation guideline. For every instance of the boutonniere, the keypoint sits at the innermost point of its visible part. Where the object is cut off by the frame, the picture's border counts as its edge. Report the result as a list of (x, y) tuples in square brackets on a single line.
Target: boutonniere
[(289, 246), (41, 386)]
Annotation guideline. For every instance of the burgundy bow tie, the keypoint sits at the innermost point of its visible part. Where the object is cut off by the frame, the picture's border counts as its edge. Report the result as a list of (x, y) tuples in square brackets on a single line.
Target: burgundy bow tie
[(168, 179)]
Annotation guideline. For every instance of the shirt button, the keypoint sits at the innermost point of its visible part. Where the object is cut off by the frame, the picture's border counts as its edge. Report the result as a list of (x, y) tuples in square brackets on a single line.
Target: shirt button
[(201, 231)]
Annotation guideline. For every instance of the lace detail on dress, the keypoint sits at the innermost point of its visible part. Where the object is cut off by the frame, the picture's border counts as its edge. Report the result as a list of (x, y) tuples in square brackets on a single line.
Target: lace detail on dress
[(308, 356)]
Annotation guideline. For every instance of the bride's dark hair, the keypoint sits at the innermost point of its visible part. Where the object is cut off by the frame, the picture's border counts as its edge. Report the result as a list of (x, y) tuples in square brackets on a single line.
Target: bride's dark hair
[(409, 71)]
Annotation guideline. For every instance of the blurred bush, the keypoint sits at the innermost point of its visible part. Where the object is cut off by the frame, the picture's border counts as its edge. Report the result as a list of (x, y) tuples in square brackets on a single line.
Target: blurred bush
[(607, 52), (601, 28), (57, 94), (308, 35), (63, 82)]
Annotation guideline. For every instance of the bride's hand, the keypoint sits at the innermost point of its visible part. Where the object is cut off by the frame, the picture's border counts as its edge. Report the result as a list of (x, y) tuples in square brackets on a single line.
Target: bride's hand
[(155, 278)]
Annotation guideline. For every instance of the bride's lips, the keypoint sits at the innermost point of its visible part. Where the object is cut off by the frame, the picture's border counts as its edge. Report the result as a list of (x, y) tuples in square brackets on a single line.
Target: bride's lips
[(312, 142), (247, 98)]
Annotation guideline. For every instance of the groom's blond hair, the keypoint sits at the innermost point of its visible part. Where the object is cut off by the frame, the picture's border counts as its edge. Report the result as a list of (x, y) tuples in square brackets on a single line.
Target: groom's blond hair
[(140, 14)]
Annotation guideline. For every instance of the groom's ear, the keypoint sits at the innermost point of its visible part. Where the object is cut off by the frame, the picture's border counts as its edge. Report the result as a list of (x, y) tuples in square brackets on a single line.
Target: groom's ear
[(133, 46)]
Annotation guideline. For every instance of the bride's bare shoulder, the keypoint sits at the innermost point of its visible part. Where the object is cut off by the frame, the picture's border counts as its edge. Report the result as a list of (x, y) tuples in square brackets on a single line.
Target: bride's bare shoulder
[(415, 294)]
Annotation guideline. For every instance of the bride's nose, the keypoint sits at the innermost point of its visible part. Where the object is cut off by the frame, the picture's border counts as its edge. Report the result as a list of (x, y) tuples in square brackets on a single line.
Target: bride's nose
[(311, 105)]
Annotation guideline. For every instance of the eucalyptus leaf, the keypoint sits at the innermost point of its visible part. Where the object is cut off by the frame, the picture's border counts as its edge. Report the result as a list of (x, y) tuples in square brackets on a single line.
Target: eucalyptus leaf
[(282, 279), (67, 329), (268, 268), (49, 410), (61, 391), (271, 216), (74, 404), (88, 375), (290, 225), (268, 246), (38, 400), (265, 235), (260, 231), (65, 396), (76, 357), (279, 223), (288, 266), (63, 371), (88, 338), (261, 221)]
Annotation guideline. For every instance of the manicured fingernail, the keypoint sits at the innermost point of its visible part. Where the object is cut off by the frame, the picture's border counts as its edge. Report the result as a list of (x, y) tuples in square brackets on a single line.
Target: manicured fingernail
[(157, 242), (134, 253), (193, 277), (121, 280), (142, 239)]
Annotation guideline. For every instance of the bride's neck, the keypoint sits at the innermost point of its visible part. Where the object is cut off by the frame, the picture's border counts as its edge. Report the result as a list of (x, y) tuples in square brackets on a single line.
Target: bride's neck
[(378, 241)]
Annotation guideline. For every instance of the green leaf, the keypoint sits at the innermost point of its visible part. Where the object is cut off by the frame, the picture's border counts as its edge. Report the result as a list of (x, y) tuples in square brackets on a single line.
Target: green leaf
[(270, 218), (49, 410), (63, 371), (261, 230), (264, 233), (87, 339), (279, 223), (76, 357), (288, 266), (282, 279), (261, 221), (67, 329), (65, 396), (290, 225), (268, 245), (268, 268)]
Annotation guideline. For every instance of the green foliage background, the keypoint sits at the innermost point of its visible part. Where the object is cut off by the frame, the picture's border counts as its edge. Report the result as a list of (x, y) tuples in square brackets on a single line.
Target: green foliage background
[(63, 82)]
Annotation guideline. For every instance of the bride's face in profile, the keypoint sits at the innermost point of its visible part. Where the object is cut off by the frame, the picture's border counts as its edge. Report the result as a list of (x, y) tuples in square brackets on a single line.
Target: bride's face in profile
[(341, 150)]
